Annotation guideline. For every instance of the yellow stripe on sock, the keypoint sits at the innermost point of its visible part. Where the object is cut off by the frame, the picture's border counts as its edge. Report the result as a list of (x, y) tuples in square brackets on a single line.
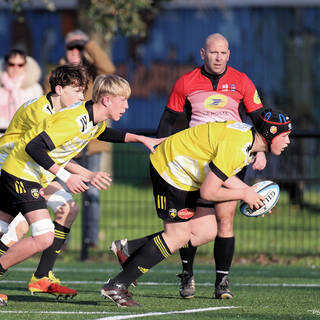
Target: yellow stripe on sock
[(60, 234), (161, 246)]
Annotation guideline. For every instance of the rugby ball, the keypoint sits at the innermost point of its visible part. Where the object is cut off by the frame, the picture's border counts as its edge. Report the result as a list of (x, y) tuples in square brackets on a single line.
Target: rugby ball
[(271, 192)]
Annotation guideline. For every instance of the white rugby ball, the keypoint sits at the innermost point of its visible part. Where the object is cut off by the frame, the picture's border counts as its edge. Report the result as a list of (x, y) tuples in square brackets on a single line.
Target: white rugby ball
[(271, 192)]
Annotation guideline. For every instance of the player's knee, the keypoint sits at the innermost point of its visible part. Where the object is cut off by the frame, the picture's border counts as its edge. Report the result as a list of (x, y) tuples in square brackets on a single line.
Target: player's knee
[(42, 227), (182, 237), (206, 235), (225, 221), (16, 230), (60, 202), (69, 209), (44, 241), (44, 231), (67, 213)]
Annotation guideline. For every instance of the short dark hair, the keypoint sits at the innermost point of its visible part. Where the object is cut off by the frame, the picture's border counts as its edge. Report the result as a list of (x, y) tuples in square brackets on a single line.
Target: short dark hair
[(68, 75), (13, 53)]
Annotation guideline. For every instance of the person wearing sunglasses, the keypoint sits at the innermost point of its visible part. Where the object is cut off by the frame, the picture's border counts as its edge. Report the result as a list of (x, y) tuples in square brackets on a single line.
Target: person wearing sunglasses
[(19, 82)]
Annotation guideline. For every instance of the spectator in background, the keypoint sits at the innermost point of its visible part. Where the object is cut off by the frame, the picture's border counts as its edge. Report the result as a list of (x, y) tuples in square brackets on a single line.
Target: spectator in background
[(82, 51), (19, 82)]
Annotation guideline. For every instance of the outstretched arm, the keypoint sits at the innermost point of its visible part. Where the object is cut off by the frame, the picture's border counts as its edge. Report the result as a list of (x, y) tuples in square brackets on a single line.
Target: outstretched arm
[(116, 135), (150, 143)]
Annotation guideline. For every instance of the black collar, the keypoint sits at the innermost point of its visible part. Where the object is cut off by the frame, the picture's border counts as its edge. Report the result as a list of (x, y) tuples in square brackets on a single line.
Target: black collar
[(89, 106), (48, 96), (211, 76)]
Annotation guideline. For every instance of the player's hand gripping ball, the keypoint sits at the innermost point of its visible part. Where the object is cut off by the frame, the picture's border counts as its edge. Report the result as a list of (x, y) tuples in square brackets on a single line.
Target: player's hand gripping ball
[(271, 192)]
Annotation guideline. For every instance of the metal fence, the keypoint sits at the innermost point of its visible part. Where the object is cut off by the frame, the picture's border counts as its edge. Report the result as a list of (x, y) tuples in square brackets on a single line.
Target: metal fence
[(293, 227)]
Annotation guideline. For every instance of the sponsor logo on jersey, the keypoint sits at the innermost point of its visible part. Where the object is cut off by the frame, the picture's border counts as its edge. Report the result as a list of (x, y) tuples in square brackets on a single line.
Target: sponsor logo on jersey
[(215, 101), (233, 87), (186, 213), (83, 122), (256, 98), (172, 213), (273, 129), (35, 193)]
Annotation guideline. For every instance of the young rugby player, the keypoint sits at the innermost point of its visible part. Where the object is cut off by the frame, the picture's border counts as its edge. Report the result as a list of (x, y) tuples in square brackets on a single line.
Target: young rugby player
[(44, 152), (68, 84), (199, 161)]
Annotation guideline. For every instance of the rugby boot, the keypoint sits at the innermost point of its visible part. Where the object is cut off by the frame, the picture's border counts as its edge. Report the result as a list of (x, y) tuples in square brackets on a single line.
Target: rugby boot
[(3, 300), (50, 285), (119, 294), (187, 285), (222, 290)]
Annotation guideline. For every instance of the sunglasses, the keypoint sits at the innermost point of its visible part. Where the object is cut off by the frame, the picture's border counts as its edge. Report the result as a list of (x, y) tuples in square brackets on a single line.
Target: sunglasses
[(80, 48), (20, 65)]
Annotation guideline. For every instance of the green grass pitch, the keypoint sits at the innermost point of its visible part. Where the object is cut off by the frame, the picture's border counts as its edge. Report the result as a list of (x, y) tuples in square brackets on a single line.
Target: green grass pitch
[(261, 292)]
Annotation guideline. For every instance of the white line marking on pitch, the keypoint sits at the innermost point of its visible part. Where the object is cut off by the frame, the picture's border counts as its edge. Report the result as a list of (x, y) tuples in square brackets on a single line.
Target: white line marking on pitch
[(56, 312), (205, 284), (152, 314)]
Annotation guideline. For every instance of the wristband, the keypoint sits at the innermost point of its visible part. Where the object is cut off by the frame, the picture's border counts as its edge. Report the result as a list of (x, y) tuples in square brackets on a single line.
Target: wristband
[(63, 174)]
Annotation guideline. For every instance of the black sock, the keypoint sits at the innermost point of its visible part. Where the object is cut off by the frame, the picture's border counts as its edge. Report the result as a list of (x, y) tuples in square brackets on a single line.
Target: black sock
[(135, 244), (223, 254), (3, 248), (153, 252), (187, 254), (49, 256)]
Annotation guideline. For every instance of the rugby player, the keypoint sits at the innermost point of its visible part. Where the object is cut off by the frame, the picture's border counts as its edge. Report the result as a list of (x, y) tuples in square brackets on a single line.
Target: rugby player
[(201, 161), (44, 152)]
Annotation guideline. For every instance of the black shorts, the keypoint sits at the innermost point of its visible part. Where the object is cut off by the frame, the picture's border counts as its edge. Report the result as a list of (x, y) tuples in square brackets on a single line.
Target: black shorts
[(172, 204), (19, 195), (210, 204)]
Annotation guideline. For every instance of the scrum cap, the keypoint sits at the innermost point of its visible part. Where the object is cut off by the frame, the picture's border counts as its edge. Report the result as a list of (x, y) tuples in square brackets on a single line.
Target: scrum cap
[(271, 123)]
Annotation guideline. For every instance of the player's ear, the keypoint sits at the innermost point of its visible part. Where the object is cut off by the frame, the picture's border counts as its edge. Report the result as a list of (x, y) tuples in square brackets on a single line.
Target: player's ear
[(106, 101), (202, 53), (58, 90)]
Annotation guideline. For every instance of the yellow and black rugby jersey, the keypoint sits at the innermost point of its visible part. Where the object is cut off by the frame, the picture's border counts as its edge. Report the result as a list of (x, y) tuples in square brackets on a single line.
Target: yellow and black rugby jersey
[(70, 130), (28, 115), (185, 158)]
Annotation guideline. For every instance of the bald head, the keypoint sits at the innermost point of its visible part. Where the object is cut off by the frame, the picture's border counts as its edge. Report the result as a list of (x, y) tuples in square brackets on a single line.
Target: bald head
[(215, 37), (215, 53)]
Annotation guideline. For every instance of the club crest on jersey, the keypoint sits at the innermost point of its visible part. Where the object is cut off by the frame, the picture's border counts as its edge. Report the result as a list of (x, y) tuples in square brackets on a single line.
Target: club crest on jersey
[(172, 213), (186, 213), (215, 101), (35, 193), (256, 98)]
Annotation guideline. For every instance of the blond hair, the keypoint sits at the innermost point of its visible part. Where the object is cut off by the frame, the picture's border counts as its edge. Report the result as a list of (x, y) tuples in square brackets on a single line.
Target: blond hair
[(113, 85)]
